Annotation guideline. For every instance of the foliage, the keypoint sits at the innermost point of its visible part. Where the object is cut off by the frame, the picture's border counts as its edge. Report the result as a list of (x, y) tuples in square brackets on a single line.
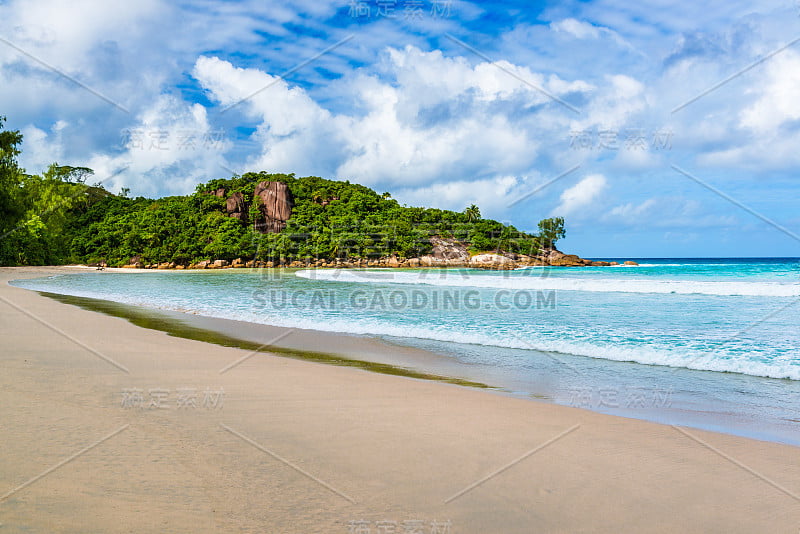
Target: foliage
[(11, 209), (57, 218), (550, 231), (473, 213)]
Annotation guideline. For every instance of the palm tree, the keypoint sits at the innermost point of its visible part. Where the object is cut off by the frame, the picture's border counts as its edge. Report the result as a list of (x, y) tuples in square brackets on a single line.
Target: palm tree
[(473, 213)]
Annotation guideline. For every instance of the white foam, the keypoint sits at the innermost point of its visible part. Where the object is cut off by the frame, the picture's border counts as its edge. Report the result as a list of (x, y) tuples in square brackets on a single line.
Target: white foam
[(455, 278), (696, 360), (711, 360)]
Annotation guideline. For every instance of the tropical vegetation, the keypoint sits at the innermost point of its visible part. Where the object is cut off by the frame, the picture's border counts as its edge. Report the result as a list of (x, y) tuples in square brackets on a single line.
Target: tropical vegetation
[(57, 218)]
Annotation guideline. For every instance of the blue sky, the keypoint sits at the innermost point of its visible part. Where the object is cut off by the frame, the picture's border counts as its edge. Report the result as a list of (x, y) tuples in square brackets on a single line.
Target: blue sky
[(655, 129)]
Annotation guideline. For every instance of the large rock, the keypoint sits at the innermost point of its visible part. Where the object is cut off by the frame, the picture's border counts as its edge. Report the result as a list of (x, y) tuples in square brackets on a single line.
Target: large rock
[(449, 250), (431, 261), (275, 204), (559, 259), (629, 262), (567, 260), (237, 207), (492, 261)]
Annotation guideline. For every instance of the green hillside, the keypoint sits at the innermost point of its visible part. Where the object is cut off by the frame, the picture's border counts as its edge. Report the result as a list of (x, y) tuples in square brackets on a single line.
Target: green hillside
[(57, 218)]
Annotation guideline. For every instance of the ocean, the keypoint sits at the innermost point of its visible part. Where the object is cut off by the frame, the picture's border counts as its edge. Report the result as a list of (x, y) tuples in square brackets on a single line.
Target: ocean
[(711, 343)]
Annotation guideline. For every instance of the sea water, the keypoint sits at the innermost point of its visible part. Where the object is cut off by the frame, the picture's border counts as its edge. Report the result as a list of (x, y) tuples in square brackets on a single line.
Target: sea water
[(713, 343)]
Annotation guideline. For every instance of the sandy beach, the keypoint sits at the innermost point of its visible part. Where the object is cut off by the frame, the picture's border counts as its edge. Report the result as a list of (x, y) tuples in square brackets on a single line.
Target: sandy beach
[(109, 427)]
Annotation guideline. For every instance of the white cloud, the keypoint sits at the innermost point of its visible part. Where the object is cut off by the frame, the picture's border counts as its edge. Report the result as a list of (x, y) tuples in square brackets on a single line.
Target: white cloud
[(580, 195), (41, 147), (577, 28), (492, 195), (169, 145), (633, 211), (765, 134), (613, 105), (778, 91), (434, 120)]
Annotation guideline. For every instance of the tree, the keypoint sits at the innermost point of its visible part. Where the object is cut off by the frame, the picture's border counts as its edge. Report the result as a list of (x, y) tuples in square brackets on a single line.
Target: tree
[(10, 175), (550, 231), (66, 173), (11, 208), (473, 213)]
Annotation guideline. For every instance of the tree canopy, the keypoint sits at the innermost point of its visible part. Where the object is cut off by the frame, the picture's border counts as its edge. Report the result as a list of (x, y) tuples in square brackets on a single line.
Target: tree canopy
[(550, 231)]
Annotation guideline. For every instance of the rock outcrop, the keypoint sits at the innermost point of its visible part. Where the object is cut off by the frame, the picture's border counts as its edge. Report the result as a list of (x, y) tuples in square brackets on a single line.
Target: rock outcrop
[(557, 258), (492, 261), (275, 204), (449, 250), (446, 252), (237, 207)]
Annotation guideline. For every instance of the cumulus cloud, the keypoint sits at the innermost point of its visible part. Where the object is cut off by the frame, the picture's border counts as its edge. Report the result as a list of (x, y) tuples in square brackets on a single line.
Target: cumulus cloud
[(580, 195), (493, 195), (169, 145), (765, 133), (434, 119), (42, 147), (777, 96)]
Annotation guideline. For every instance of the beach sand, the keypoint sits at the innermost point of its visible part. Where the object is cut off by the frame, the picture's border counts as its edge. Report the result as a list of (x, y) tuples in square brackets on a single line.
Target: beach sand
[(276, 444)]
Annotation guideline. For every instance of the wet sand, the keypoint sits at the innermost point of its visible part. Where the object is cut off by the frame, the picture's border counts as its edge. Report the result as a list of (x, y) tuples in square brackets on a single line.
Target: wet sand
[(109, 427)]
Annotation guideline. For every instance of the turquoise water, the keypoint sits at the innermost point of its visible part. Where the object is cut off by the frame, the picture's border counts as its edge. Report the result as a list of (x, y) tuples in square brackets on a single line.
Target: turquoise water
[(718, 315), (547, 332)]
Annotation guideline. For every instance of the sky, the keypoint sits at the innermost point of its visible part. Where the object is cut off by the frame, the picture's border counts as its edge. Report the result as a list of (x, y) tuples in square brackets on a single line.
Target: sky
[(655, 129)]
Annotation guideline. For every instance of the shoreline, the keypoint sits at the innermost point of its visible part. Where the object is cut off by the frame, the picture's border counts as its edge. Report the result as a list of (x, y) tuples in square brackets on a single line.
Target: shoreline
[(431, 360), (402, 358), (267, 339), (303, 447)]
